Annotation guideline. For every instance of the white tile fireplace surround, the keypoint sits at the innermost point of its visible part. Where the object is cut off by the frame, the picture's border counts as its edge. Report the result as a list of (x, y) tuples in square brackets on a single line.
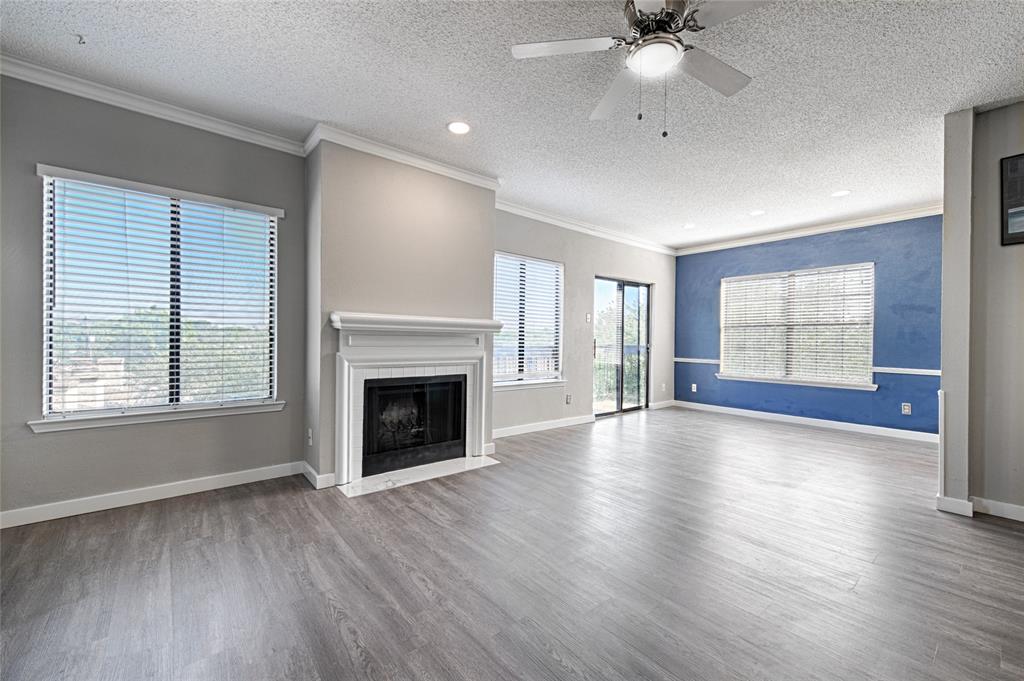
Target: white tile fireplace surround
[(389, 346)]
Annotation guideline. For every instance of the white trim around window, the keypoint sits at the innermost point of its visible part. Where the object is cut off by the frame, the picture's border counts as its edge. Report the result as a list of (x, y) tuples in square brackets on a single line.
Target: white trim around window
[(164, 287), (126, 418), (529, 299), (870, 387), (806, 327), (526, 385), (130, 185)]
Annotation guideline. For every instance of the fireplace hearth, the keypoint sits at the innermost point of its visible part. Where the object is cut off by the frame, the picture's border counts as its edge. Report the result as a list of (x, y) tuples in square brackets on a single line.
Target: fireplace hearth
[(411, 421)]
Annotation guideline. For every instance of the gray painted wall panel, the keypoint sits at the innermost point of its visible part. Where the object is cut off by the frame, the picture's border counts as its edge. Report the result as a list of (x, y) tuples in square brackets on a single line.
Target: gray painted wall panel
[(40, 125), (584, 258), (393, 239), (997, 319)]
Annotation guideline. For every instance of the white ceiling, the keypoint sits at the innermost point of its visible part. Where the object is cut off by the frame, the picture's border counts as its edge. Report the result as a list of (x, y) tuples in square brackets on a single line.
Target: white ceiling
[(846, 95)]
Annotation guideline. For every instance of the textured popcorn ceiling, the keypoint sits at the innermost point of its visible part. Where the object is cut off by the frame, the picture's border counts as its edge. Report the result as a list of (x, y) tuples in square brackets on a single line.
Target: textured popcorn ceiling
[(846, 95)]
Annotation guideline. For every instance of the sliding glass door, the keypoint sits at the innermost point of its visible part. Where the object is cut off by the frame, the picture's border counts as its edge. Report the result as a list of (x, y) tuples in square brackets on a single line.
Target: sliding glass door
[(607, 346), (621, 345), (635, 346)]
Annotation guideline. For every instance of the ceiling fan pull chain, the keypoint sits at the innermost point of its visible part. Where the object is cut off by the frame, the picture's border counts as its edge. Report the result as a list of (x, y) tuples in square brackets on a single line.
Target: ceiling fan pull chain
[(664, 108), (640, 106)]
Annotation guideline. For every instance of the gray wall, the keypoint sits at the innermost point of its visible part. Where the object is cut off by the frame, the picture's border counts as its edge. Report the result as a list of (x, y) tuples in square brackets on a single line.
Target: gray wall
[(40, 125), (584, 258), (394, 239), (996, 420)]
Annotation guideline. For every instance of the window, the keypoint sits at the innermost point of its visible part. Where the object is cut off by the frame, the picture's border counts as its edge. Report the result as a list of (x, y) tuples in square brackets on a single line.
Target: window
[(808, 326), (154, 302), (528, 301)]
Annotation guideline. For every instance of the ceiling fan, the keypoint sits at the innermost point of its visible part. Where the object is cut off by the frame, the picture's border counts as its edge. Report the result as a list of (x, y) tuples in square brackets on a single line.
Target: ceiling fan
[(654, 45)]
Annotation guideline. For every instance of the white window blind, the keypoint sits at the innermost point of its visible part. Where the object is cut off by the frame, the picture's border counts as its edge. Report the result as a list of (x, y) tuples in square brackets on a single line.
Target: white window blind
[(528, 301), (155, 301), (803, 326)]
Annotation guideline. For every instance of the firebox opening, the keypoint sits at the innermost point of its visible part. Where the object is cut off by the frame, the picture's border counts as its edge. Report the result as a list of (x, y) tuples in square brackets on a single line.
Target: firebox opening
[(413, 420)]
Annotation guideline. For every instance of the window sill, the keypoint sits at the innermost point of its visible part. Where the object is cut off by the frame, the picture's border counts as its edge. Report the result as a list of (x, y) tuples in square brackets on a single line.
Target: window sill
[(869, 387), (526, 385), (80, 421)]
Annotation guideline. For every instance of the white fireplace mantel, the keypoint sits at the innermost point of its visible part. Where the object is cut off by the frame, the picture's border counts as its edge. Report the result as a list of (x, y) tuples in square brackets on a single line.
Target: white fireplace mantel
[(363, 321), (385, 345)]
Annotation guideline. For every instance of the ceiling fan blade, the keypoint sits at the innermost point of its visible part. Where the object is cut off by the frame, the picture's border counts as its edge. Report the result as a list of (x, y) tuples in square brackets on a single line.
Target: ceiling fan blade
[(620, 87), (713, 12), (713, 72), (528, 50)]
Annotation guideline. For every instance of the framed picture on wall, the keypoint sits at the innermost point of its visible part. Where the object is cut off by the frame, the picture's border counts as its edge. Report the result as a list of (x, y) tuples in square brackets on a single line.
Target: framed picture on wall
[(1013, 199)]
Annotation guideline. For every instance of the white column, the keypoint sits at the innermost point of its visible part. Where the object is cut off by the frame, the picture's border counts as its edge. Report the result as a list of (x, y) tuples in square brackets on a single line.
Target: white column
[(956, 312)]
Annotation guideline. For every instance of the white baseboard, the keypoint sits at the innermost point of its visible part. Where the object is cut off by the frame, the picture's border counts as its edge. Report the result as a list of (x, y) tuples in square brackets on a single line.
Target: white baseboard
[(914, 435), (999, 508), (662, 404), (102, 502), (952, 505), (542, 425), (318, 480), (489, 448)]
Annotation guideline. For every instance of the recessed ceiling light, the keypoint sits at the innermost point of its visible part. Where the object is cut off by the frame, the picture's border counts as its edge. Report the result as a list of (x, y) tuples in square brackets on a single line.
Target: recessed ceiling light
[(841, 192), (755, 213), (458, 128), (689, 225)]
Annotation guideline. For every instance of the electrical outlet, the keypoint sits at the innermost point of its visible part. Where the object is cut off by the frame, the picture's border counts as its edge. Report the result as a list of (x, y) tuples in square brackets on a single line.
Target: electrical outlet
[(309, 437), (662, 387), (905, 409), (588, 318), (568, 398), (693, 387)]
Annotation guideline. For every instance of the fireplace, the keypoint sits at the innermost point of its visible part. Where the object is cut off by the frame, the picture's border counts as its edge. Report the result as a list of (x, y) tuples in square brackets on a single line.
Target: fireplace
[(391, 350), (411, 421)]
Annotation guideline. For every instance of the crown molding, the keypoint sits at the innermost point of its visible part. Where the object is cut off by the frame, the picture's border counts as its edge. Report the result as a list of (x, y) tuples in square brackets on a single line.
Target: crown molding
[(32, 73), (810, 230), (323, 132), (23, 70), (580, 226)]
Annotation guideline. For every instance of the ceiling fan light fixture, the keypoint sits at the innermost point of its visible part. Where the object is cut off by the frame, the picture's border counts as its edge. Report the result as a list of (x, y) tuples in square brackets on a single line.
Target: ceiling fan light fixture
[(654, 55)]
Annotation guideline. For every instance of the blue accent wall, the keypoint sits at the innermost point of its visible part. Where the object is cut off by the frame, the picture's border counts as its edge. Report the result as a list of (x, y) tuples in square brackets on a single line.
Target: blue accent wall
[(908, 266)]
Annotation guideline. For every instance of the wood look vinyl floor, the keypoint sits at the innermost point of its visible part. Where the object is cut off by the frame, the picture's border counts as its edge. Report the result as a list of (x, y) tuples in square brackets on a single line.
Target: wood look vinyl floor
[(667, 545)]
